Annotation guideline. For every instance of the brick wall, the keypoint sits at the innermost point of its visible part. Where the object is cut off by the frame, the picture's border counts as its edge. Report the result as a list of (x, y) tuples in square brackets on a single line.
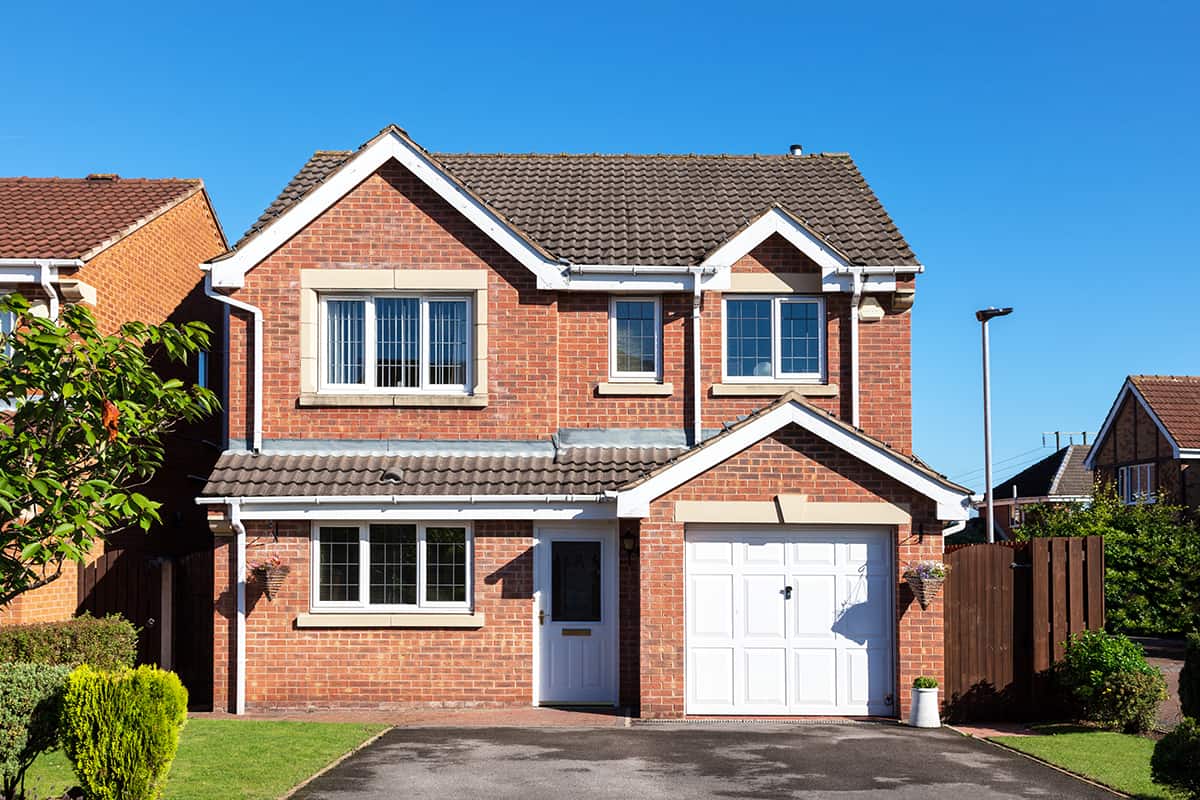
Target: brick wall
[(1133, 438), (51, 603), (294, 668), (791, 461), (547, 351)]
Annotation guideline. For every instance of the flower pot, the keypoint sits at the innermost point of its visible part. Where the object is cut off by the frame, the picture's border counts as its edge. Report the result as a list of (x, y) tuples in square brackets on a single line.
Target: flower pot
[(272, 579), (925, 589), (924, 713)]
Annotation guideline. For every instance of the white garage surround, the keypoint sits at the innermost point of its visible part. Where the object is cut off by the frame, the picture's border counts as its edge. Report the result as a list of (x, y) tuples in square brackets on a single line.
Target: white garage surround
[(789, 620)]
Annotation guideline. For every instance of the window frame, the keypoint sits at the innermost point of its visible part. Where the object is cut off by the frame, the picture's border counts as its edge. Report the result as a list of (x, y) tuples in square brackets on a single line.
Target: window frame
[(370, 354), (777, 374), (364, 604), (617, 376), (1146, 493)]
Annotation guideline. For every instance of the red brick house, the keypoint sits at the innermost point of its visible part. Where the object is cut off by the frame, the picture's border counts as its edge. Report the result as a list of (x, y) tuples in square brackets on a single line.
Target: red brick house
[(561, 429), (128, 247), (1149, 444)]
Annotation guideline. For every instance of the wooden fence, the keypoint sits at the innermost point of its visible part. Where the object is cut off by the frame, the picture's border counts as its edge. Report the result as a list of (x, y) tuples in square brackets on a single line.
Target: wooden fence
[(1009, 609)]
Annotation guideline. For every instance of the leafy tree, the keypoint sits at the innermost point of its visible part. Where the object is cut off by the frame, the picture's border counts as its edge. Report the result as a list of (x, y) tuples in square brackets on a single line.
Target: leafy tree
[(1151, 556), (84, 430)]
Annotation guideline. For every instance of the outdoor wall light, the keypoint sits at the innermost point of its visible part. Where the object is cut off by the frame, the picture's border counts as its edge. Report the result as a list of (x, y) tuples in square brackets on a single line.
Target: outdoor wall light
[(628, 541)]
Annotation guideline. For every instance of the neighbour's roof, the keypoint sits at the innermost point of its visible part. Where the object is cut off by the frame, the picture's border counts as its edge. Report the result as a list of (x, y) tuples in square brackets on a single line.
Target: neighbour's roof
[(653, 209), (71, 218), (1060, 474), (573, 471), (1175, 400)]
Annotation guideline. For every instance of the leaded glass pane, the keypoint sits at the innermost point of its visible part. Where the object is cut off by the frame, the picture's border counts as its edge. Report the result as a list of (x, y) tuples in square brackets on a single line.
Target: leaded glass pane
[(636, 336), (748, 338), (393, 565), (446, 565), (800, 337), (339, 565)]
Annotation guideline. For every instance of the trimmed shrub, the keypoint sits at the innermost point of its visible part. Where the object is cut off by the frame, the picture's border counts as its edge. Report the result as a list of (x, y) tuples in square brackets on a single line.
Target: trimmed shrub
[(924, 682), (105, 643), (1189, 678), (1176, 759), (1109, 681), (30, 704), (121, 730)]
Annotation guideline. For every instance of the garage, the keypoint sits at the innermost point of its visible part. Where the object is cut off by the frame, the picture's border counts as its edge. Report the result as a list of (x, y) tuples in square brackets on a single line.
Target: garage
[(794, 620)]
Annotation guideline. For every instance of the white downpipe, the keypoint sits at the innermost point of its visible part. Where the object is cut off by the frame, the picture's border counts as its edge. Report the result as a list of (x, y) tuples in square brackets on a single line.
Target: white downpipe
[(46, 278), (855, 302), (697, 382), (239, 678), (256, 313)]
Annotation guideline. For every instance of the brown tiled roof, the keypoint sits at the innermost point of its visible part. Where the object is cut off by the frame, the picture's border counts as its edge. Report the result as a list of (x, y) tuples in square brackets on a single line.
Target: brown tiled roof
[(1060, 474), (1175, 400), (577, 470), (77, 217), (655, 209)]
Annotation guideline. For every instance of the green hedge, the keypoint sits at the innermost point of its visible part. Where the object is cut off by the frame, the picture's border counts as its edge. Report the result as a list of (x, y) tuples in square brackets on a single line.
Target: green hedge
[(106, 643), (30, 704), (121, 730), (1110, 682), (1176, 759)]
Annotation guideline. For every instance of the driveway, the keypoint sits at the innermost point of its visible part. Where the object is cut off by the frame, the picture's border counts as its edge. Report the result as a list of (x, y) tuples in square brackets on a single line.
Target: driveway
[(1167, 655), (695, 760)]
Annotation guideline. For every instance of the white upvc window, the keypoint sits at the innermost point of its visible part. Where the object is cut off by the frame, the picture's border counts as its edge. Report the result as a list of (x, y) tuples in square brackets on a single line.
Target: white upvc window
[(1136, 483), (396, 343), (8, 322), (773, 338), (635, 338), (391, 566)]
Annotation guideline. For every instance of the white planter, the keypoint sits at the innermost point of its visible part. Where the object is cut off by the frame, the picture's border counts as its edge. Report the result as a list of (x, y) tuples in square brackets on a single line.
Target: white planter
[(924, 712)]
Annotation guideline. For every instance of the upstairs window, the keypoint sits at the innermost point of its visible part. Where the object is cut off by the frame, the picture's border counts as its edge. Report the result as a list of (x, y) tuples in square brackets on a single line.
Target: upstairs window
[(396, 344), (774, 339), (8, 321), (635, 338), (1136, 483)]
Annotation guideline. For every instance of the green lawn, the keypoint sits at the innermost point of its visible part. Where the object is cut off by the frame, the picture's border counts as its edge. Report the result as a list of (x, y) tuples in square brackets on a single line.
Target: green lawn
[(1117, 760), (229, 759)]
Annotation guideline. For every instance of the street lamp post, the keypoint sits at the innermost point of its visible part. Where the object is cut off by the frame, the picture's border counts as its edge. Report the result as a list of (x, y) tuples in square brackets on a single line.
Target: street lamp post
[(984, 315)]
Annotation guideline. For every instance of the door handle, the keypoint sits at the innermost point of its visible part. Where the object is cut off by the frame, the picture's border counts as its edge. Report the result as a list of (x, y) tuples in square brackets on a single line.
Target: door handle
[(541, 617), (787, 593)]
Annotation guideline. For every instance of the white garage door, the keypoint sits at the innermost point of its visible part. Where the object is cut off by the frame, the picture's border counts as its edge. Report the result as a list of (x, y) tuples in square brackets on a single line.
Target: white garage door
[(789, 620)]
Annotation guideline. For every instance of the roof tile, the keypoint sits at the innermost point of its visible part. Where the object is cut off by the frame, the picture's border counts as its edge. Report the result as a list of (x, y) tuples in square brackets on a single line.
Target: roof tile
[(1175, 399)]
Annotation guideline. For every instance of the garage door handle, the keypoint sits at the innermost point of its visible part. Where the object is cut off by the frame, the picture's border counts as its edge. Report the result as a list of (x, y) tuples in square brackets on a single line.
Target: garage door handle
[(787, 593)]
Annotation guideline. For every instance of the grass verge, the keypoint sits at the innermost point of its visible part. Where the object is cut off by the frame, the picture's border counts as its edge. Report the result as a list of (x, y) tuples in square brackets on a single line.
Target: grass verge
[(229, 759), (1117, 760)]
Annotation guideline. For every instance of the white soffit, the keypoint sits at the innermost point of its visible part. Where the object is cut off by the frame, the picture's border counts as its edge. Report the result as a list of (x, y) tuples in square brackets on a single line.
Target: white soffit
[(952, 505)]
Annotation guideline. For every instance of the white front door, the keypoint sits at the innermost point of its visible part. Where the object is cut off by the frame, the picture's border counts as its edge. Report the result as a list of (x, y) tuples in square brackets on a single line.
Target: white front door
[(789, 620), (575, 585)]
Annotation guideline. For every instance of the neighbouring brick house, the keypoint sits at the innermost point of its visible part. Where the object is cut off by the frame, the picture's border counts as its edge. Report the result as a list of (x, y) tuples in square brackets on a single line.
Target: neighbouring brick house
[(127, 247), (573, 429), (1059, 478), (1149, 445)]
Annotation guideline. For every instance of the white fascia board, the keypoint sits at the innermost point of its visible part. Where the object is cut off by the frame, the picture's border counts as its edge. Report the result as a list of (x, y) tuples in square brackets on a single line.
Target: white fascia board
[(1129, 389), (29, 270), (770, 223), (635, 502), (427, 511), (648, 281), (1188, 453), (230, 273)]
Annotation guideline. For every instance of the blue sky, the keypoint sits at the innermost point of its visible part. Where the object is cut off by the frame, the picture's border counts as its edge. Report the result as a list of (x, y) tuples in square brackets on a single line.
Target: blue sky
[(1039, 155)]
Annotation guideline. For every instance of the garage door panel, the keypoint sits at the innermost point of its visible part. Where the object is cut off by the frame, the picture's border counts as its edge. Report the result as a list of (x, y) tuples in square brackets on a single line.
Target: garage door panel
[(815, 677), (763, 552), (815, 605), (826, 650), (764, 610), (711, 679), (710, 606), (766, 676)]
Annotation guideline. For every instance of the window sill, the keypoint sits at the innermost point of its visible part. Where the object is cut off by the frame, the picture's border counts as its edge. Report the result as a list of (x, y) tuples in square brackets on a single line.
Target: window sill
[(406, 620), (322, 400), (774, 389), (635, 389)]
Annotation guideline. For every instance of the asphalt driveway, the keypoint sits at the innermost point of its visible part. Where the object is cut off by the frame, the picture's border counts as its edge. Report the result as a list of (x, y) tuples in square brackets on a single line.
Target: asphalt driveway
[(721, 760)]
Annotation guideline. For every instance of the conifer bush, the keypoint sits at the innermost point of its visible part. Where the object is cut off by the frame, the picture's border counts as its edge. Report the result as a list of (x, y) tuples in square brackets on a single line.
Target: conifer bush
[(1176, 759), (30, 703), (121, 730), (1189, 679)]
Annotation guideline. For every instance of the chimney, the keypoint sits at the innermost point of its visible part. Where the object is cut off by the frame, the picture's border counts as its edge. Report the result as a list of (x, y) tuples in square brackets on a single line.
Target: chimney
[(104, 176), (796, 150)]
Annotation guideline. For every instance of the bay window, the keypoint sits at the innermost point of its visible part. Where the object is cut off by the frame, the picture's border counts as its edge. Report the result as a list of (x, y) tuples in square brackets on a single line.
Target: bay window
[(391, 566), (780, 338), (390, 343)]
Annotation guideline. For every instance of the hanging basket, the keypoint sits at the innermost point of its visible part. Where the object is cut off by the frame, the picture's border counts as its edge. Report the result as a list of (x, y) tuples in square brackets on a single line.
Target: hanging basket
[(272, 578), (925, 589)]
